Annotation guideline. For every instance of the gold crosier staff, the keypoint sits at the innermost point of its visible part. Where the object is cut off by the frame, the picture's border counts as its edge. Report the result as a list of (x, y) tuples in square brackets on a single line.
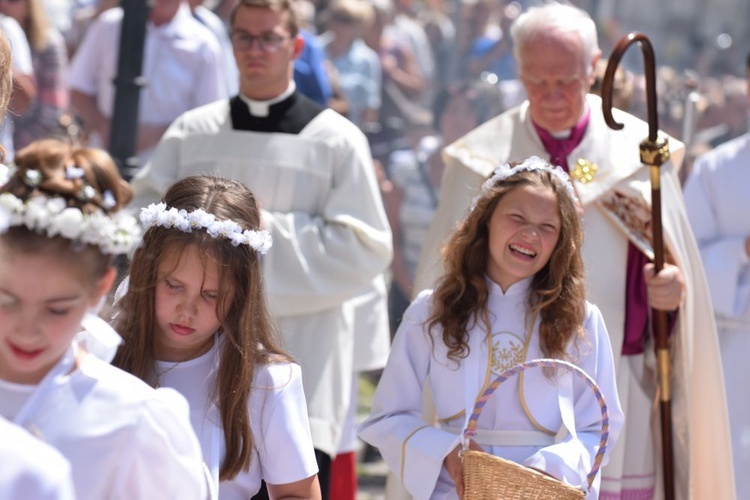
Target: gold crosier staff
[(654, 152)]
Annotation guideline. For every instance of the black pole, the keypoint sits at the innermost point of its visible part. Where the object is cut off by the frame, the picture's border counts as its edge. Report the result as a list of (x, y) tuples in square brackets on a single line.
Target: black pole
[(123, 130)]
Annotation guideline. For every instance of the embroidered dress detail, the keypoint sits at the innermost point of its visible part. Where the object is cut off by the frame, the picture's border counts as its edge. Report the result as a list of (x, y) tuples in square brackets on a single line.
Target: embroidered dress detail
[(159, 214)]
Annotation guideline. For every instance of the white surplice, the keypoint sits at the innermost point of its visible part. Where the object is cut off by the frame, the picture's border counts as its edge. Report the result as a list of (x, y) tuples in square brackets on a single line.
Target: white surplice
[(123, 439), (716, 196), (415, 451)]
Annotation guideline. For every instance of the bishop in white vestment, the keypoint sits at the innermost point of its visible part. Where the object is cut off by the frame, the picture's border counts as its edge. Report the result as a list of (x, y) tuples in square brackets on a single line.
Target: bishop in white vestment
[(616, 201)]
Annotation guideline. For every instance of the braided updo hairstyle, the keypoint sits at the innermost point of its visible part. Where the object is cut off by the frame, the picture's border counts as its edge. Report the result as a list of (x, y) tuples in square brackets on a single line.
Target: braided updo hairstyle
[(97, 187)]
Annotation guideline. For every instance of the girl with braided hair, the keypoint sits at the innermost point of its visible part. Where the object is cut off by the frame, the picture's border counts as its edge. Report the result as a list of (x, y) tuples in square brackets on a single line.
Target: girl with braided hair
[(60, 230)]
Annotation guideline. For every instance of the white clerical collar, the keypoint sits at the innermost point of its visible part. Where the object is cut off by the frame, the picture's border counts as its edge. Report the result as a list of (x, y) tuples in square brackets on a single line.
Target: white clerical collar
[(517, 288), (564, 134), (261, 108)]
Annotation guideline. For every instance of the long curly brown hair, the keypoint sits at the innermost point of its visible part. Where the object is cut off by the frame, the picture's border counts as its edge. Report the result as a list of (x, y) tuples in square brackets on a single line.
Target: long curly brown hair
[(557, 293), (250, 337)]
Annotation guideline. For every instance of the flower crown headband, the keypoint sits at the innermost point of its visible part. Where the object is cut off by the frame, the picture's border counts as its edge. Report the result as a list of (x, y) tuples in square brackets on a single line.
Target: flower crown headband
[(171, 218), (532, 163), (114, 234)]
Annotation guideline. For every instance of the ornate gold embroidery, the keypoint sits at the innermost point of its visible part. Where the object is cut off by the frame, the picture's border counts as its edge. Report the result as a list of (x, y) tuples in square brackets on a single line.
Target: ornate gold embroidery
[(584, 171), (509, 350), (506, 354), (634, 214)]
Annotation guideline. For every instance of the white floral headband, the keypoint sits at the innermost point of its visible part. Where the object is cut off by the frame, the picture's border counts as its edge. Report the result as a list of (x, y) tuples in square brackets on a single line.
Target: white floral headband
[(161, 215), (532, 163), (114, 234)]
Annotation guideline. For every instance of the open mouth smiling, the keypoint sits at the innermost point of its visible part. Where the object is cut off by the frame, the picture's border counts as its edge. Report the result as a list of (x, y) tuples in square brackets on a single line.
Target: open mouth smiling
[(523, 251)]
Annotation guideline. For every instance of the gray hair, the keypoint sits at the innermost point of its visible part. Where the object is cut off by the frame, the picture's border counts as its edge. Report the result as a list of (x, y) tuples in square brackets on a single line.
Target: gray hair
[(560, 18)]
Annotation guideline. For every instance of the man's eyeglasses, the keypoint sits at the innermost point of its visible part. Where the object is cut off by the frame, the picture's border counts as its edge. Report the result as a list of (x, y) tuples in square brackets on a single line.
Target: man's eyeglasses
[(268, 42)]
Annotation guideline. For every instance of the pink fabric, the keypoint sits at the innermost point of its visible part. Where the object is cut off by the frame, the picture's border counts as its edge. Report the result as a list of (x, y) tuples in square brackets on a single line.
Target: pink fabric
[(559, 149)]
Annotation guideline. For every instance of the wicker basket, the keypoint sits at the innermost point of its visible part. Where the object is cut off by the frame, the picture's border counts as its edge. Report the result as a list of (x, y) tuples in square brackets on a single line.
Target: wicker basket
[(487, 477)]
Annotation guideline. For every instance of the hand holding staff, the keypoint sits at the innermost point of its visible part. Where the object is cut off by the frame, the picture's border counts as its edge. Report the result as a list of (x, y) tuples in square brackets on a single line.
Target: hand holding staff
[(654, 152)]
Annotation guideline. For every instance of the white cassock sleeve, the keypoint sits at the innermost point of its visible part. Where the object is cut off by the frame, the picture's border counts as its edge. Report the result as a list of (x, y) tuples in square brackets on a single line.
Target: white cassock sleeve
[(320, 260), (164, 460), (413, 450), (571, 460), (723, 256)]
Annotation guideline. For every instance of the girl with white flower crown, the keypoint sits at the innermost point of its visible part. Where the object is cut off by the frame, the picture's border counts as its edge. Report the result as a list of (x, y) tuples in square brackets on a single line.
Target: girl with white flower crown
[(513, 292), (60, 229), (194, 317)]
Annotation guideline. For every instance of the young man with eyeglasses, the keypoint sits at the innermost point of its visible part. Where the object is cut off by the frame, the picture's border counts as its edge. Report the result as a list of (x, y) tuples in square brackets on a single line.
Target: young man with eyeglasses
[(312, 172)]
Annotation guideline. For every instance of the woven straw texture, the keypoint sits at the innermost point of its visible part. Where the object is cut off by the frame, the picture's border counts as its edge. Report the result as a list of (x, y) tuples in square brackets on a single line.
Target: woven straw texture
[(487, 477)]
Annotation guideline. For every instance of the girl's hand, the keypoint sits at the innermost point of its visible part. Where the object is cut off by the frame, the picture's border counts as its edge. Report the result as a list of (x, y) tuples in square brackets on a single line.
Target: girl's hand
[(455, 466), (666, 289)]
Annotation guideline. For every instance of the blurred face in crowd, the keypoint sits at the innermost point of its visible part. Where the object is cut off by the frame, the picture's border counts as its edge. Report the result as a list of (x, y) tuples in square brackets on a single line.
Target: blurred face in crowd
[(162, 11), (264, 50), (554, 72), (17, 9), (458, 119)]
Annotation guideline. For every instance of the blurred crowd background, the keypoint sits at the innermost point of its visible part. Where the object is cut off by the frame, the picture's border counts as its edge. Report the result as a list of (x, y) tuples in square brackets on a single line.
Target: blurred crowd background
[(414, 75)]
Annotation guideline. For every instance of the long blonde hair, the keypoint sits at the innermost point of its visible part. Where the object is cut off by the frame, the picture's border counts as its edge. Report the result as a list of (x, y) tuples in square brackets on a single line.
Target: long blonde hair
[(250, 337), (6, 82)]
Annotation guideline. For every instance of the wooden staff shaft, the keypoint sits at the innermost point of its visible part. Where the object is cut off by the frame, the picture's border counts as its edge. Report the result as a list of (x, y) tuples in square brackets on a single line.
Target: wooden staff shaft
[(660, 326), (654, 152)]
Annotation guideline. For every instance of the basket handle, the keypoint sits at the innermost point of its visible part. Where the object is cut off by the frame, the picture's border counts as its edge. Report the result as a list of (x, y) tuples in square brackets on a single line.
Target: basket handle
[(481, 401)]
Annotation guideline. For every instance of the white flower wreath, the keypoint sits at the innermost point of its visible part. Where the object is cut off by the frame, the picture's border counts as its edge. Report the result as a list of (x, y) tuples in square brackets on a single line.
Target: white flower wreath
[(531, 163), (159, 214), (113, 234)]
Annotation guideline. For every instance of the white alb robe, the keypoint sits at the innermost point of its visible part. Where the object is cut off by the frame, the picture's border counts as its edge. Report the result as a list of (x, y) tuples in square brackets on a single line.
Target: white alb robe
[(123, 439), (415, 451), (716, 197)]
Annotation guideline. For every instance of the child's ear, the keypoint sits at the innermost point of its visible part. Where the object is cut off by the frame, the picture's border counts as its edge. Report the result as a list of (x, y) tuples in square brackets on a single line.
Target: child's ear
[(103, 285)]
